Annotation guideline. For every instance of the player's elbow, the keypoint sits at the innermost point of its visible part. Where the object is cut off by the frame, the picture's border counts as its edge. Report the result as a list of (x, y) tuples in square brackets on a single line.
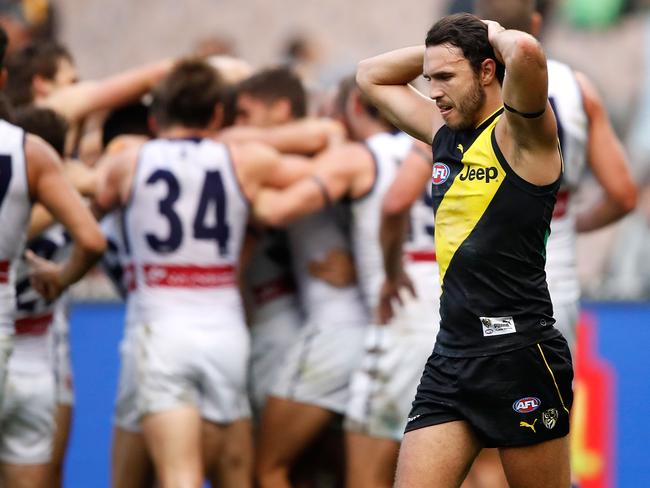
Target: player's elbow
[(363, 76), (393, 206), (527, 52), (627, 199), (92, 241)]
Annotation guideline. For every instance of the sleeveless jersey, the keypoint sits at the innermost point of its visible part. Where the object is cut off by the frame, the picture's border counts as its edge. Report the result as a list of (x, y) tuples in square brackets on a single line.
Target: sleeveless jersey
[(566, 99), (387, 153), (491, 231), (15, 209), (184, 230), (311, 239), (270, 281), (35, 316)]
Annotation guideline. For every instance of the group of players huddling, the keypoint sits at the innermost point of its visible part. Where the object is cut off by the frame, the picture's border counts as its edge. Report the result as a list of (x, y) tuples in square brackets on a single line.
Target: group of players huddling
[(279, 270)]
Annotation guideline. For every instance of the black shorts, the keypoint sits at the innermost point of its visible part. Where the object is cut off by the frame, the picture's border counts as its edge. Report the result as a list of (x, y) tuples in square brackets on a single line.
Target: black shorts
[(512, 399)]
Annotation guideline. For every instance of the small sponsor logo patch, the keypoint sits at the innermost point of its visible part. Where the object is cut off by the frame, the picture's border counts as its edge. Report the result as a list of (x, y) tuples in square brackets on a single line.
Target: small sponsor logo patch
[(549, 418), (479, 174), (528, 426), (526, 405), (415, 417), (440, 173), (493, 326)]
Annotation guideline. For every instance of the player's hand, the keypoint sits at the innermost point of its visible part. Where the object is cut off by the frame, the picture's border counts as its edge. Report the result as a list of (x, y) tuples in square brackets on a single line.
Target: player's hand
[(494, 29), (390, 294), (45, 276), (337, 269)]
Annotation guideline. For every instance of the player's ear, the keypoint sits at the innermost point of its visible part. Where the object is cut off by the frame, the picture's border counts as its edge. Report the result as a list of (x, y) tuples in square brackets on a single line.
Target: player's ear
[(536, 23), (217, 118), (3, 78), (153, 125), (41, 86), (488, 71)]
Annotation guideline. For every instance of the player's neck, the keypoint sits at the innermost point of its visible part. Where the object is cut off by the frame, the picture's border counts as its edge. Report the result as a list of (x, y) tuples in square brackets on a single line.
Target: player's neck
[(493, 102), (178, 132)]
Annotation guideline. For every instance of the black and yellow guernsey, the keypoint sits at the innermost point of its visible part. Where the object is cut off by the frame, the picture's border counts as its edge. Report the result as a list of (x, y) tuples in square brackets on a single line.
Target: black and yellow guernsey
[(491, 228)]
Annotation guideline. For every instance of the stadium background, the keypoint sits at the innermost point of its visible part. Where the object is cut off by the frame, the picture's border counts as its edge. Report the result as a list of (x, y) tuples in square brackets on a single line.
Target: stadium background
[(105, 37)]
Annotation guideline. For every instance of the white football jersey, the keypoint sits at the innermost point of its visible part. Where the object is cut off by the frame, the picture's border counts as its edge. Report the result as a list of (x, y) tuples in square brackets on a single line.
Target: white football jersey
[(15, 209), (366, 215), (35, 316), (184, 227), (566, 99), (311, 239)]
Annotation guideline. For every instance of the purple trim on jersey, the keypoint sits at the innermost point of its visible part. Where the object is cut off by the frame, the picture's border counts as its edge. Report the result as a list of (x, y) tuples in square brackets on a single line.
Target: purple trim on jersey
[(231, 162), (375, 163)]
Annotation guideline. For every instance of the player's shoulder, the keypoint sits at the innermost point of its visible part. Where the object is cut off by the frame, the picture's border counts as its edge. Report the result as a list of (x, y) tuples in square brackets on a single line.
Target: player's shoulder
[(252, 154)]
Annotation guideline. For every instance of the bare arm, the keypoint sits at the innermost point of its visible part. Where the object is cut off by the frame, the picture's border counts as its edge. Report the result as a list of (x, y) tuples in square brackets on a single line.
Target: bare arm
[(80, 99), (607, 158), (528, 133), (334, 174), (307, 136), (114, 179), (385, 79), (411, 179), (48, 186)]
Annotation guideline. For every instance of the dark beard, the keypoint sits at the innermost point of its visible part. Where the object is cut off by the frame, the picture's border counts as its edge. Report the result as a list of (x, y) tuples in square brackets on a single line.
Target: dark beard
[(470, 107)]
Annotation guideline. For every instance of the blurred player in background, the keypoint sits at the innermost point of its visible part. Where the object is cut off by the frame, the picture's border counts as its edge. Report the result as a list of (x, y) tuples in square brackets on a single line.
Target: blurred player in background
[(31, 173), (192, 380)]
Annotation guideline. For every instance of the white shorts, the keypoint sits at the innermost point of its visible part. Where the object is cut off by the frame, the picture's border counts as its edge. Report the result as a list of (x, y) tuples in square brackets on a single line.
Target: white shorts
[(62, 362), (385, 384), (27, 418), (271, 342), (126, 412), (318, 369), (178, 365), (566, 320)]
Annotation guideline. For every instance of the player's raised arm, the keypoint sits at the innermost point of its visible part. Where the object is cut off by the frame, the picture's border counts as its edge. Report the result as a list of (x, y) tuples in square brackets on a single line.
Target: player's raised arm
[(329, 180), (606, 157), (385, 79), (80, 99), (525, 86)]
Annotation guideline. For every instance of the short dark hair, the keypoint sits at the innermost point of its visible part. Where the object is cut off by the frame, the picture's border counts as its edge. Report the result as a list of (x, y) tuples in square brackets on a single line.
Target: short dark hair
[(4, 42), (346, 86), (132, 119), (273, 84), (468, 33), (36, 58), (45, 123), (188, 95)]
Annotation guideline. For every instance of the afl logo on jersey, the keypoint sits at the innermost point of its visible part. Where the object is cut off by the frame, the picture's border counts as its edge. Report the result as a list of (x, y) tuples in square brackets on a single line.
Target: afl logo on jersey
[(526, 405), (440, 173)]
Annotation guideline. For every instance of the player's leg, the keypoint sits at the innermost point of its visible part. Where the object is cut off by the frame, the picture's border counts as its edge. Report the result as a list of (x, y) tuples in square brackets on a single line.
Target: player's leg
[(27, 430), (228, 453), (287, 428), (131, 465), (371, 461), (439, 455), (544, 465), (486, 471), (63, 423), (173, 438), (26, 475)]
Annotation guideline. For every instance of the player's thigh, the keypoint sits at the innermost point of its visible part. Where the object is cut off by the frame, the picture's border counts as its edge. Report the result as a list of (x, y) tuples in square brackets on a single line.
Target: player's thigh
[(370, 461), (286, 429), (544, 465), (26, 475), (63, 423), (439, 455), (131, 463)]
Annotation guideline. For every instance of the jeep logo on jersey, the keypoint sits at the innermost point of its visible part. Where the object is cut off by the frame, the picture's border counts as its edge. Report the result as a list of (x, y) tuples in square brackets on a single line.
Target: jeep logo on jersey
[(440, 173), (526, 405), (471, 174)]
